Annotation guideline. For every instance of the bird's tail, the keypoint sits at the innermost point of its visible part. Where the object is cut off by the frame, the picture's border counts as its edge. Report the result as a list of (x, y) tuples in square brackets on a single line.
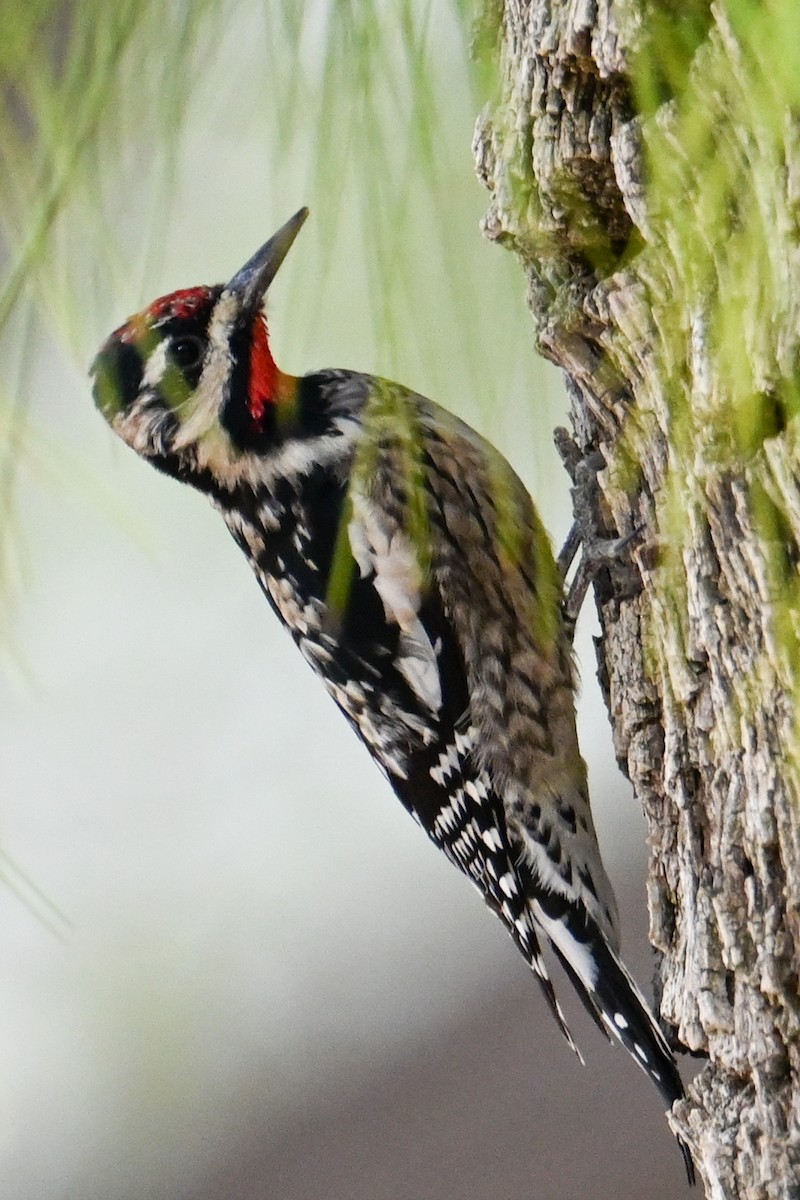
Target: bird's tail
[(610, 994)]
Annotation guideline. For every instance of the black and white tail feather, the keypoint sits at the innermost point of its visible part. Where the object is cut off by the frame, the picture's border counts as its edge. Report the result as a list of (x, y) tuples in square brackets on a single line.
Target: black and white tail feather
[(610, 995)]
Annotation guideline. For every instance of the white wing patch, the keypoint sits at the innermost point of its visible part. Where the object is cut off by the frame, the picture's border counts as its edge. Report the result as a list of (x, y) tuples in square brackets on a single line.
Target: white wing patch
[(390, 556)]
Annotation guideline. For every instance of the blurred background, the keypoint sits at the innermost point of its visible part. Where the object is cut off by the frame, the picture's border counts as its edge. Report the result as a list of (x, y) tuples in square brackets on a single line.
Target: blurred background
[(232, 966)]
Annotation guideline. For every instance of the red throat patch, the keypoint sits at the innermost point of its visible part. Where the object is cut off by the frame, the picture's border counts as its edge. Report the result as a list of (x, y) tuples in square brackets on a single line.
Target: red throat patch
[(263, 373)]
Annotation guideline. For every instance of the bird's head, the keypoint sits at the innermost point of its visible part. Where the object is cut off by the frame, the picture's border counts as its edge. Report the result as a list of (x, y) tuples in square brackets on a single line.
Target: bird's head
[(190, 382)]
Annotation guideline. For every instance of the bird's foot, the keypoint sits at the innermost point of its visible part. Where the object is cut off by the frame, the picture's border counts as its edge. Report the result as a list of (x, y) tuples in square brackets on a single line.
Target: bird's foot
[(597, 551)]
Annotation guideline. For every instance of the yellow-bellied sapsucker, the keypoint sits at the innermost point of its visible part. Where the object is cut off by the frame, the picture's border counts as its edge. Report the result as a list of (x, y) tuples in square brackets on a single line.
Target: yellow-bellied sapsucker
[(408, 563)]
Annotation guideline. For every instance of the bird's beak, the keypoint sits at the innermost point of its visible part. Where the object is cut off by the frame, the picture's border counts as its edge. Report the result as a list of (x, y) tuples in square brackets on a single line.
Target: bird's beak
[(251, 282)]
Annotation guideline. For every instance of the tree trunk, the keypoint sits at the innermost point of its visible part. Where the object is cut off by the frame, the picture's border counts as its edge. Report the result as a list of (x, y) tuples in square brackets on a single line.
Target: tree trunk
[(698, 656)]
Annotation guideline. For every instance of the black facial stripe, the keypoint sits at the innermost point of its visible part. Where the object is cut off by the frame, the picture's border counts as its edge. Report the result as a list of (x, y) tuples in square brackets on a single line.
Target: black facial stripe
[(235, 417), (118, 371)]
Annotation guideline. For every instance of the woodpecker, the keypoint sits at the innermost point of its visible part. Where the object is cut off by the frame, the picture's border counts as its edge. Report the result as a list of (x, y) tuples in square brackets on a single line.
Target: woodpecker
[(407, 561)]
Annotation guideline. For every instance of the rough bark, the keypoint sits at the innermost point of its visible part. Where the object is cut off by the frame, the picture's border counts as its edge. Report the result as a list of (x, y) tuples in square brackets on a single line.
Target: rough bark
[(696, 653)]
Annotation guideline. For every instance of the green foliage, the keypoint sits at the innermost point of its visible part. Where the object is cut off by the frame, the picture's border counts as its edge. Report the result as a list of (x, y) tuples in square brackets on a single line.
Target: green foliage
[(723, 209), (76, 104), (719, 93), (371, 104), (81, 87)]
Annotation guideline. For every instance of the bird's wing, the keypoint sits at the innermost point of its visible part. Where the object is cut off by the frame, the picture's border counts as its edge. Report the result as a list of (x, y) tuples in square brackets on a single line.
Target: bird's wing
[(438, 774), (503, 600)]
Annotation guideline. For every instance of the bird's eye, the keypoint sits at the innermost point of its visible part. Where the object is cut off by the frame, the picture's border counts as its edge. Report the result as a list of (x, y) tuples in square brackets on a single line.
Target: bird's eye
[(187, 351)]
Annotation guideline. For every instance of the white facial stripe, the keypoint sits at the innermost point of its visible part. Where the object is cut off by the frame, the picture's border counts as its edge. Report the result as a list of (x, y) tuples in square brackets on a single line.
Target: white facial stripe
[(156, 365), (200, 414)]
